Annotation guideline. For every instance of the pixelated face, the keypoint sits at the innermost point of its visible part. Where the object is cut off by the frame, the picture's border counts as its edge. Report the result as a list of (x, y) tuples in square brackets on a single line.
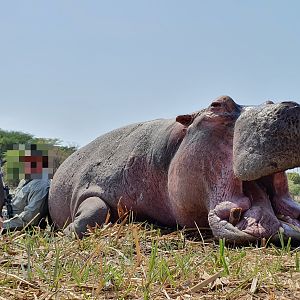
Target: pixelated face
[(30, 161), (33, 164)]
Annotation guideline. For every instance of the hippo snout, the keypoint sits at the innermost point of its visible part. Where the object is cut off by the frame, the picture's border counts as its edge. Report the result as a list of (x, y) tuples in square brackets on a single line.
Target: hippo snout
[(266, 140), (265, 144)]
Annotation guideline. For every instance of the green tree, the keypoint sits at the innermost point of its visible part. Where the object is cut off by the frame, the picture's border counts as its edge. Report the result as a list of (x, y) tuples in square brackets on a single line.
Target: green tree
[(8, 138)]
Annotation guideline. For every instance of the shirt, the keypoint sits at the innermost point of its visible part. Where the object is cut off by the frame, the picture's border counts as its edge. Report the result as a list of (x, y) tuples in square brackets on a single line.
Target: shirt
[(29, 203)]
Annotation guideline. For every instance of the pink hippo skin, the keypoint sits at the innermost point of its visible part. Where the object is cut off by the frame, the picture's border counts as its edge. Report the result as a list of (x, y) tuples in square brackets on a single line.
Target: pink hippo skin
[(190, 170)]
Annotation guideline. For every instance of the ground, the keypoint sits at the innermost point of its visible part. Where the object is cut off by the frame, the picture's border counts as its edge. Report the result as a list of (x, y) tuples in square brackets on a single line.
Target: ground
[(139, 261)]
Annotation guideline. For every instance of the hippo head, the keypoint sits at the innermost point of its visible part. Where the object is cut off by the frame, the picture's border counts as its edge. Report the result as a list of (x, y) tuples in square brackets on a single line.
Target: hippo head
[(247, 151), (265, 144)]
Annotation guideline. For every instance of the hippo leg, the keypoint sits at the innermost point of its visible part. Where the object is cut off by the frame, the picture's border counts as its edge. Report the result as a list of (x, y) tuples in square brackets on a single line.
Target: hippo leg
[(91, 212)]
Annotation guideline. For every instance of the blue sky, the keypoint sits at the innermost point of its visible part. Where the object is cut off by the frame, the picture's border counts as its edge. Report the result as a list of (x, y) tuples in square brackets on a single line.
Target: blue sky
[(77, 69)]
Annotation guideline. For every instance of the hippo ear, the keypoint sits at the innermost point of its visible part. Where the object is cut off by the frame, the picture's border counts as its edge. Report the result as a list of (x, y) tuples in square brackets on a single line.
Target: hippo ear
[(185, 120), (269, 102)]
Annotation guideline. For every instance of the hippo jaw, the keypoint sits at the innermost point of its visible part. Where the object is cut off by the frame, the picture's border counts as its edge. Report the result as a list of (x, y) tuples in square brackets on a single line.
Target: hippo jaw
[(271, 210), (265, 144)]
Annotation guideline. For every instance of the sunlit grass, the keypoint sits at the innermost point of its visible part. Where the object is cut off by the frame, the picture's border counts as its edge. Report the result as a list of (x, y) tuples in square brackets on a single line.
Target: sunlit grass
[(139, 261)]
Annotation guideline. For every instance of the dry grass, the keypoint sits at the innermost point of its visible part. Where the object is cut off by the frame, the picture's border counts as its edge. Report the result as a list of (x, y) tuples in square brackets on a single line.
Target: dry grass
[(138, 261)]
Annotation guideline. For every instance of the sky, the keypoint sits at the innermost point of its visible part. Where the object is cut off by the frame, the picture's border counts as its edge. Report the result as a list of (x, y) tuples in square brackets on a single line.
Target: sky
[(74, 70)]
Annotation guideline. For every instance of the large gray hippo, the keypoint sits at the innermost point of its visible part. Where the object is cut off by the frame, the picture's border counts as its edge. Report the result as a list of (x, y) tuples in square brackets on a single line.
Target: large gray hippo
[(221, 167)]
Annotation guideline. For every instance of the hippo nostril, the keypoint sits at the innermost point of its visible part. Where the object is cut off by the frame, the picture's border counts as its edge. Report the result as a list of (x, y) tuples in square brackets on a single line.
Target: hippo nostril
[(235, 215), (290, 104)]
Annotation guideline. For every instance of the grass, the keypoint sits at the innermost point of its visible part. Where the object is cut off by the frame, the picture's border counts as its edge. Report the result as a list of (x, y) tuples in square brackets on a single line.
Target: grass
[(140, 261)]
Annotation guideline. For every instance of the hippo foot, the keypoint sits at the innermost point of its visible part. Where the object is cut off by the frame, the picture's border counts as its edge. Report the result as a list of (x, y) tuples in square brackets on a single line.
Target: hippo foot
[(91, 212), (271, 211)]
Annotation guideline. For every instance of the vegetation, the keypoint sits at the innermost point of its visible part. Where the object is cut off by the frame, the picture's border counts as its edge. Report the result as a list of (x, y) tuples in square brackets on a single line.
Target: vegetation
[(295, 177), (8, 138), (139, 261), (294, 183)]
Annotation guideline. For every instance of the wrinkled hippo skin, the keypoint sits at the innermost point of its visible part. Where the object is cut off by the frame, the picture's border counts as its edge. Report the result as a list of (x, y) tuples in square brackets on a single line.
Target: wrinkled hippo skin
[(194, 169)]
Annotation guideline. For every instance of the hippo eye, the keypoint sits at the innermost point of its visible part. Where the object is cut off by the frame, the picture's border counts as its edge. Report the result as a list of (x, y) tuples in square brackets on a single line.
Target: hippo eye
[(223, 106), (216, 104)]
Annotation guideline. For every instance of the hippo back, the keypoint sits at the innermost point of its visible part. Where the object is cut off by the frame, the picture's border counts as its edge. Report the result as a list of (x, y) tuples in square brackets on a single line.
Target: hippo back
[(101, 167)]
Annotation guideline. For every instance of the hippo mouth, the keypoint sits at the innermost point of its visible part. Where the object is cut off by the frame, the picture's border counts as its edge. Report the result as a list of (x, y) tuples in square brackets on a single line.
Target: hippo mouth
[(264, 209), (265, 145)]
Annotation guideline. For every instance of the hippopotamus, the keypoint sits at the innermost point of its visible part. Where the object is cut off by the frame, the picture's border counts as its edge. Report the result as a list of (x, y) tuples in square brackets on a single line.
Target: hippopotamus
[(221, 167)]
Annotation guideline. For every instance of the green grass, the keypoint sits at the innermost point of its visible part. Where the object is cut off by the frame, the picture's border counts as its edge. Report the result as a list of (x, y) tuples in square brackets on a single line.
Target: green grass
[(139, 261)]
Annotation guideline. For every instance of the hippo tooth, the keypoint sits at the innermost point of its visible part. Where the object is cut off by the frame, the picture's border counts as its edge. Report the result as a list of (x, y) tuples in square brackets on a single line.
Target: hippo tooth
[(235, 215), (294, 227), (280, 217)]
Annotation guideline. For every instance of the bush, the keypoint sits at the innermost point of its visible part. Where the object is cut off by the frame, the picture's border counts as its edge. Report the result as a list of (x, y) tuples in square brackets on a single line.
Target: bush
[(294, 188), (8, 138), (294, 176)]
